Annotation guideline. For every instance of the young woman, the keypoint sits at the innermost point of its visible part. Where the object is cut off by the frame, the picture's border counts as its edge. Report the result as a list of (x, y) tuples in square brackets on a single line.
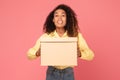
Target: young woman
[(62, 22)]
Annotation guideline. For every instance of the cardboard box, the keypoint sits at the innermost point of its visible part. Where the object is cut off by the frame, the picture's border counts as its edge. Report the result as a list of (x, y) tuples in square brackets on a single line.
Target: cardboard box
[(58, 51)]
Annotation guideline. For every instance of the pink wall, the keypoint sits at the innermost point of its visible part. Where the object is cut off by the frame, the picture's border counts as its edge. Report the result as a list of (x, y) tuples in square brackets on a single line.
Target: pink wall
[(21, 23)]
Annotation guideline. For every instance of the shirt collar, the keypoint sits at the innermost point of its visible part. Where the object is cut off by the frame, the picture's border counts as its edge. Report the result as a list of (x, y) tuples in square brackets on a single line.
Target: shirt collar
[(56, 34)]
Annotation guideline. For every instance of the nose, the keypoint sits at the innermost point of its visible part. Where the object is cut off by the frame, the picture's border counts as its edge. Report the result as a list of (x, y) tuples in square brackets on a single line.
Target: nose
[(60, 18)]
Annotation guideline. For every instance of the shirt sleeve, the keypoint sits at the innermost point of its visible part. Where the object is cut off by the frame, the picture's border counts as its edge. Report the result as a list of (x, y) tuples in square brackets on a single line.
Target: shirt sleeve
[(86, 52), (32, 51)]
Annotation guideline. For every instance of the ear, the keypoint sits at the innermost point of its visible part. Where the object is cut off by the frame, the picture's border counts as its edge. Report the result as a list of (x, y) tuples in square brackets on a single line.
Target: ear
[(53, 19)]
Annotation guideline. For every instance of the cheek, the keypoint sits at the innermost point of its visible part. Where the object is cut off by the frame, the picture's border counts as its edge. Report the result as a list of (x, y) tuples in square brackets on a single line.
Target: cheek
[(65, 20), (54, 19)]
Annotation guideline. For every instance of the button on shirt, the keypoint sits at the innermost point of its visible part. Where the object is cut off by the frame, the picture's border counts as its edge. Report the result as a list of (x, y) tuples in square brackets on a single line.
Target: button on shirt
[(86, 52)]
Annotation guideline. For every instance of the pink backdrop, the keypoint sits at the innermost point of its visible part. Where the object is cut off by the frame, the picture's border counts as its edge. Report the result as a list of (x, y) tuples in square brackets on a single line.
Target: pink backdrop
[(21, 23)]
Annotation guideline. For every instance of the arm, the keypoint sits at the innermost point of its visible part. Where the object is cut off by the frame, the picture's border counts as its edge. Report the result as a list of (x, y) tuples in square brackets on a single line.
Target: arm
[(34, 52), (85, 52)]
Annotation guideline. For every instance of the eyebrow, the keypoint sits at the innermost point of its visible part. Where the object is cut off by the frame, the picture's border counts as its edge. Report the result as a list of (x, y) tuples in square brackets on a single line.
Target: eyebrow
[(62, 12)]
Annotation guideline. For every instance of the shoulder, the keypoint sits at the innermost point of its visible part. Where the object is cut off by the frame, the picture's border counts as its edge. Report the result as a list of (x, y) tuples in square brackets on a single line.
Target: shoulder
[(44, 35), (52, 34), (79, 34), (80, 37)]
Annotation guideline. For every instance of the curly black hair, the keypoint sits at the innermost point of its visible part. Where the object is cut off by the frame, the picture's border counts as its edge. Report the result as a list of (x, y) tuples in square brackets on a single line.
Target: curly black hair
[(71, 23)]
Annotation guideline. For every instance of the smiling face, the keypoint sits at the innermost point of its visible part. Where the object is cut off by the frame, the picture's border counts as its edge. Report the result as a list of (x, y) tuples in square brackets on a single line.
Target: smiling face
[(59, 18)]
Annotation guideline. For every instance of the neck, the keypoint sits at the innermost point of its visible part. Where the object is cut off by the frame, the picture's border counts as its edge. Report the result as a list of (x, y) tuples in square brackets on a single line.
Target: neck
[(60, 31)]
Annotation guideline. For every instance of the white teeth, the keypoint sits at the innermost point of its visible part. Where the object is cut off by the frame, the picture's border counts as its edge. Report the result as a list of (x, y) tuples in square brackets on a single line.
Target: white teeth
[(60, 22)]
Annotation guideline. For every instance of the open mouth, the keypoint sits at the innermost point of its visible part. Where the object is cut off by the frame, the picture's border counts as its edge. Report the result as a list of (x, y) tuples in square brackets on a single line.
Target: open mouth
[(59, 21)]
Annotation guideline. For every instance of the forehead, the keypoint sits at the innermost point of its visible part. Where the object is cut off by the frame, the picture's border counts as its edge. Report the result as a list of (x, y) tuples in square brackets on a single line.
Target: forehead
[(60, 11)]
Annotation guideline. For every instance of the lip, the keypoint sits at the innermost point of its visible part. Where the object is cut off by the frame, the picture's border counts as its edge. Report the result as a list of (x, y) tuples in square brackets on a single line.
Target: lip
[(59, 21)]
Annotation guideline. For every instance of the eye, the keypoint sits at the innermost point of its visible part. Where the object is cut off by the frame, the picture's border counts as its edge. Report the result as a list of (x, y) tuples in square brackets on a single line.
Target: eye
[(63, 15), (55, 15)]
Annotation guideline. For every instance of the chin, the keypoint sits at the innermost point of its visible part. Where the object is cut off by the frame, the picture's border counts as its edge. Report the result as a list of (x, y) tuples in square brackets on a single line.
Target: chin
[(60, 27)]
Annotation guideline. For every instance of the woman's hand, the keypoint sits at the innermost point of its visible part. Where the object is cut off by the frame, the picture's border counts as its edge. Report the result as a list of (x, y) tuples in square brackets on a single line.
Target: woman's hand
[(78, 52), (38, 53)]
